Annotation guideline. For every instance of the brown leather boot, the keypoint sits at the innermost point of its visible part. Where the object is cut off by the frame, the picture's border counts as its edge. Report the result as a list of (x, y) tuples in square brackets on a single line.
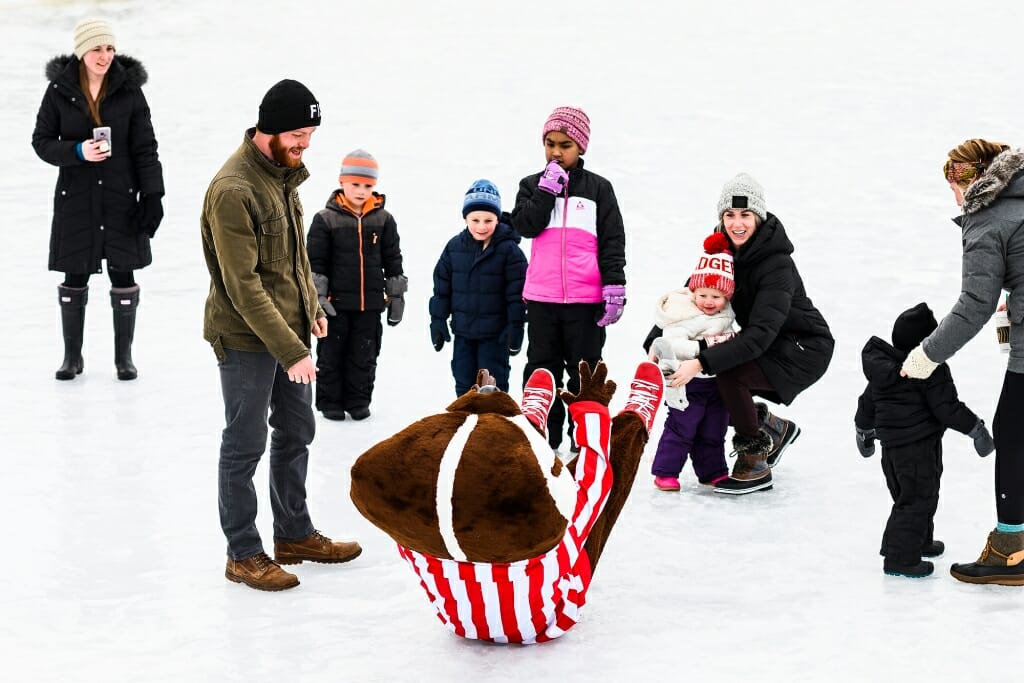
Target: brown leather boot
[(1001, 561), (782, 432), (751, 472), (261, 573), (316, 548)]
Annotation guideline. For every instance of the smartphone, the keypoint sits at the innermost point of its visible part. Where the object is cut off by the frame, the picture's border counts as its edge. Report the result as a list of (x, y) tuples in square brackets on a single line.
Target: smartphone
[(102, 135)]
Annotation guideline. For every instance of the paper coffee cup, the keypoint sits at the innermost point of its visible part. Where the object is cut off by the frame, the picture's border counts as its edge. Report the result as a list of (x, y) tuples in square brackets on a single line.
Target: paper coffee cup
[(1002, 322)]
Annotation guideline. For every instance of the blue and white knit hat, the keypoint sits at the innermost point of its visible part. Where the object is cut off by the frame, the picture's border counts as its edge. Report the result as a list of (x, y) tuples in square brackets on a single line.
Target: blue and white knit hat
[(482, 196)]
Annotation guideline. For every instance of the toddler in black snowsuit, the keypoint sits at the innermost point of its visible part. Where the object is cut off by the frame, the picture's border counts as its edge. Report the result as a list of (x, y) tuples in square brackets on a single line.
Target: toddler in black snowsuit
[(909, 417)]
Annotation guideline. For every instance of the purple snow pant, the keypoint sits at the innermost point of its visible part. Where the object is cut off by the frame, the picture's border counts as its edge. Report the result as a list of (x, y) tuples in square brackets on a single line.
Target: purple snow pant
[(698, 431)]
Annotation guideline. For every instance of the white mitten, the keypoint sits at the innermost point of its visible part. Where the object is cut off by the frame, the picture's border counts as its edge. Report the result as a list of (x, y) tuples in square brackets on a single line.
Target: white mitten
[(675, 397), (918, 365)]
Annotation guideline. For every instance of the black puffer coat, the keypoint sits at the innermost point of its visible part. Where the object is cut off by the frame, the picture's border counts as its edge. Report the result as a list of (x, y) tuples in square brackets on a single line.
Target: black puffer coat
[(356, 253), (902, 410), (780, 328), (95, 204)]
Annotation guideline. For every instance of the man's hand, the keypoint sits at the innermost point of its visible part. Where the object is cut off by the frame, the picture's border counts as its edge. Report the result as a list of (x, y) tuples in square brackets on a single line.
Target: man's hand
[(304, 371), (320, 328)]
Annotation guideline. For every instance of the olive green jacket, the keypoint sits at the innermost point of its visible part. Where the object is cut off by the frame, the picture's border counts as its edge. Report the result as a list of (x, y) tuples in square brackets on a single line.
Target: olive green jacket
[(262, 296)]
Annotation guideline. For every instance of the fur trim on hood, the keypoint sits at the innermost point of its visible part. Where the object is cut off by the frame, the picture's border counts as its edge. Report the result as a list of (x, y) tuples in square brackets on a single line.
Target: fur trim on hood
[(135, 73), (994, 180)]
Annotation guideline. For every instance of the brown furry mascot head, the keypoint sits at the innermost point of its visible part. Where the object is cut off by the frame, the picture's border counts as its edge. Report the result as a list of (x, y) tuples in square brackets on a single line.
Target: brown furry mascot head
[(477, 483)]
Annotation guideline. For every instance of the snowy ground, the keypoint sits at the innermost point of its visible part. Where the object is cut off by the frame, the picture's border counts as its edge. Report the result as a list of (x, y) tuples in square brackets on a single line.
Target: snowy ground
[(843, 110)]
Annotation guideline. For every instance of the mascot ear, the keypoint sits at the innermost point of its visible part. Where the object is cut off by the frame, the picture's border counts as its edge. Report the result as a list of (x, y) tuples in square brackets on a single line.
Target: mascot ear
[(484, 379)]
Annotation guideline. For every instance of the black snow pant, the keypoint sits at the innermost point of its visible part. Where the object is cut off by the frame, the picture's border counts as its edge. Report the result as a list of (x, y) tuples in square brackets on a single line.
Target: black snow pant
[(346, 360), (1008, 433), (912, 473), (560, 336)]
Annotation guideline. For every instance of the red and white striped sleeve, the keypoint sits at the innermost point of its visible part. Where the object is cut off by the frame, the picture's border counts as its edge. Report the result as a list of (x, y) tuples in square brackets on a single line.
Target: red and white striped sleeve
[(593, 470)]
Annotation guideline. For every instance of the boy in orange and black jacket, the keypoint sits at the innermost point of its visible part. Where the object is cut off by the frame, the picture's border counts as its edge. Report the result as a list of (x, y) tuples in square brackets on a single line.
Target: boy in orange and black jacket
[(354, 253)]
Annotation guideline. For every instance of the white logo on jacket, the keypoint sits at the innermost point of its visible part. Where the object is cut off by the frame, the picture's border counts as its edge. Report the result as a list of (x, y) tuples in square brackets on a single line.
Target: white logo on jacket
[(581, 214)]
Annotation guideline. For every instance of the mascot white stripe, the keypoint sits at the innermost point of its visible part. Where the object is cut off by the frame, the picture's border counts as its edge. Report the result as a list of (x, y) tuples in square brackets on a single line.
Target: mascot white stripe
[(446, 487), (562, 489)]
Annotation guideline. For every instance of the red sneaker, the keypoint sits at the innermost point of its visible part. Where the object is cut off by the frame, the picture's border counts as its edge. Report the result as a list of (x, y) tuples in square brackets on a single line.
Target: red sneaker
[(645, 393), (538, 395)]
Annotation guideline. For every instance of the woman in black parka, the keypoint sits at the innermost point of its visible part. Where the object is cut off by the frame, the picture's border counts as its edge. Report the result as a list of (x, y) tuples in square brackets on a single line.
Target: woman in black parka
[(108, 199), (784, 344)]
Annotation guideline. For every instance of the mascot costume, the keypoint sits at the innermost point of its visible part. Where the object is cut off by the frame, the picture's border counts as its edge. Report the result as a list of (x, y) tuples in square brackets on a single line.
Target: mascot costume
[(503, 537)]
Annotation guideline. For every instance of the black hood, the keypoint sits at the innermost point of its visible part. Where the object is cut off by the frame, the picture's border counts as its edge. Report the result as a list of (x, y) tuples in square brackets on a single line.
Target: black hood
[(882, 362), (125, 68)]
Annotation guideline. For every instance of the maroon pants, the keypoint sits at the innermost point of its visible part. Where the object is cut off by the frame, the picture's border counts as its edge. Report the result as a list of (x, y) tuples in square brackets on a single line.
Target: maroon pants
[(737, 387)]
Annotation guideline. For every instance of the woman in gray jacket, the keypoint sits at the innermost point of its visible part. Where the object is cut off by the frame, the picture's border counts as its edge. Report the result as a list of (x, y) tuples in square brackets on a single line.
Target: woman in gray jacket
[(987, 180)]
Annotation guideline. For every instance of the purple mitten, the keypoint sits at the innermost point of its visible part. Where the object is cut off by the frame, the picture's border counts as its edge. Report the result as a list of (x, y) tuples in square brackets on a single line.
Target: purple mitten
[(614, 302), (554, 179)]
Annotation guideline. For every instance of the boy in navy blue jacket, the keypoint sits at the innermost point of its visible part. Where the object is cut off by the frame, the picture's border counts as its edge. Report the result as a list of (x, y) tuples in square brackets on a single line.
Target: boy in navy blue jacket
[(909, 417), (478, 283)]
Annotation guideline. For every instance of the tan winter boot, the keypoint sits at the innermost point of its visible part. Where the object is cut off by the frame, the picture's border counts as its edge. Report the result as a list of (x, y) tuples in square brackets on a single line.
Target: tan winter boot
[(316, 548), (1002, 561), (751, 472), (261, 573)]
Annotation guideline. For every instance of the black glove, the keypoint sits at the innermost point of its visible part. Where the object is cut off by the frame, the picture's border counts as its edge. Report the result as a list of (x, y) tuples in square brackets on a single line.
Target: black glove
[(395, 287), (439, 333), (321, 283), (983, 443), (866, 442), (513, 336), (151, 212)]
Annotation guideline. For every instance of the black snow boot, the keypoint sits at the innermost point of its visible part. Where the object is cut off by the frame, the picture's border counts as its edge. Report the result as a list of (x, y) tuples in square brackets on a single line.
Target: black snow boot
[(913, 571), (124, 301), (783, 432), (751, 472), (72, 319)]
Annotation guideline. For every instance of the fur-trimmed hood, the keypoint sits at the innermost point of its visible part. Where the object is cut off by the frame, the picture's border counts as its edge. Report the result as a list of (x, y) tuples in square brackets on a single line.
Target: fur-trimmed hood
[(133, 70), (1001, 177)]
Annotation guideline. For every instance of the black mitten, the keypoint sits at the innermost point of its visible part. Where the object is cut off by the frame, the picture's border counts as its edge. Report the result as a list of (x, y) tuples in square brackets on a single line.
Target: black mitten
[(866, 442), (983, 443)]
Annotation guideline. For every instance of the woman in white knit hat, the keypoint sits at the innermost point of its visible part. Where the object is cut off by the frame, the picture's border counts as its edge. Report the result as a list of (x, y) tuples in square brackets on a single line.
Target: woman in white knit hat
[(108, 200), (784, 344)]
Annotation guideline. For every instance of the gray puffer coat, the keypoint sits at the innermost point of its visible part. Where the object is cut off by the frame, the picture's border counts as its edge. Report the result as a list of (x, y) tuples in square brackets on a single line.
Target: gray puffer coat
[(993, 260)]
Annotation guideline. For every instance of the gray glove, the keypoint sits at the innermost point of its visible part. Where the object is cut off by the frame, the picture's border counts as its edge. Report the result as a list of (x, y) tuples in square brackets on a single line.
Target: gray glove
[(395, 287), (983, 443), (321, 282), (866, 442)]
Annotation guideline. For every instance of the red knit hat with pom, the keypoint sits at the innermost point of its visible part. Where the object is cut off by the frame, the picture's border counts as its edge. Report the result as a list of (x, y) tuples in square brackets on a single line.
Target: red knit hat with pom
[(715, 269)]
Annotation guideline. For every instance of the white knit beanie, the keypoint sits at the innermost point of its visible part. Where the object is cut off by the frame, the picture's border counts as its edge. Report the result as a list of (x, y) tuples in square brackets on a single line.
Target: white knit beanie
[(743, 192), (92, 33)]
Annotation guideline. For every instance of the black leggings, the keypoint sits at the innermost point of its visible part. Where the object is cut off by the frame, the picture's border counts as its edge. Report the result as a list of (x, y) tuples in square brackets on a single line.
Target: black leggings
[(118, 278), (1008, 433)]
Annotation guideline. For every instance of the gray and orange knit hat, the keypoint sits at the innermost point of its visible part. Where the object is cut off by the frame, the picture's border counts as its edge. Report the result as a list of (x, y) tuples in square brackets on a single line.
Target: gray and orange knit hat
[(358, 166), (571, 121)]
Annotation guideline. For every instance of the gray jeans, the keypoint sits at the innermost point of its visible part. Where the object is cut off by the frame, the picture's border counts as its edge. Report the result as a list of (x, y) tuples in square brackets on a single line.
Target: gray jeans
[(253, 383)]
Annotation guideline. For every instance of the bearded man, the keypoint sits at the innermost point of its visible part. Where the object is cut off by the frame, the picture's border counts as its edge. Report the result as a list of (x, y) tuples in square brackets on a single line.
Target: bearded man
[(260, 311)]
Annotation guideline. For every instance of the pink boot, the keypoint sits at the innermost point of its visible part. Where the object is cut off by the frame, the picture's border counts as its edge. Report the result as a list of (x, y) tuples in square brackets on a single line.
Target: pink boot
[(667, 483)]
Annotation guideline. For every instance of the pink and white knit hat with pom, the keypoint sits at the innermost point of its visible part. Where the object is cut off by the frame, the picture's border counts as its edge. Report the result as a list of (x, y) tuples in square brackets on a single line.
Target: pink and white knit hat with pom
[(572, 121)]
